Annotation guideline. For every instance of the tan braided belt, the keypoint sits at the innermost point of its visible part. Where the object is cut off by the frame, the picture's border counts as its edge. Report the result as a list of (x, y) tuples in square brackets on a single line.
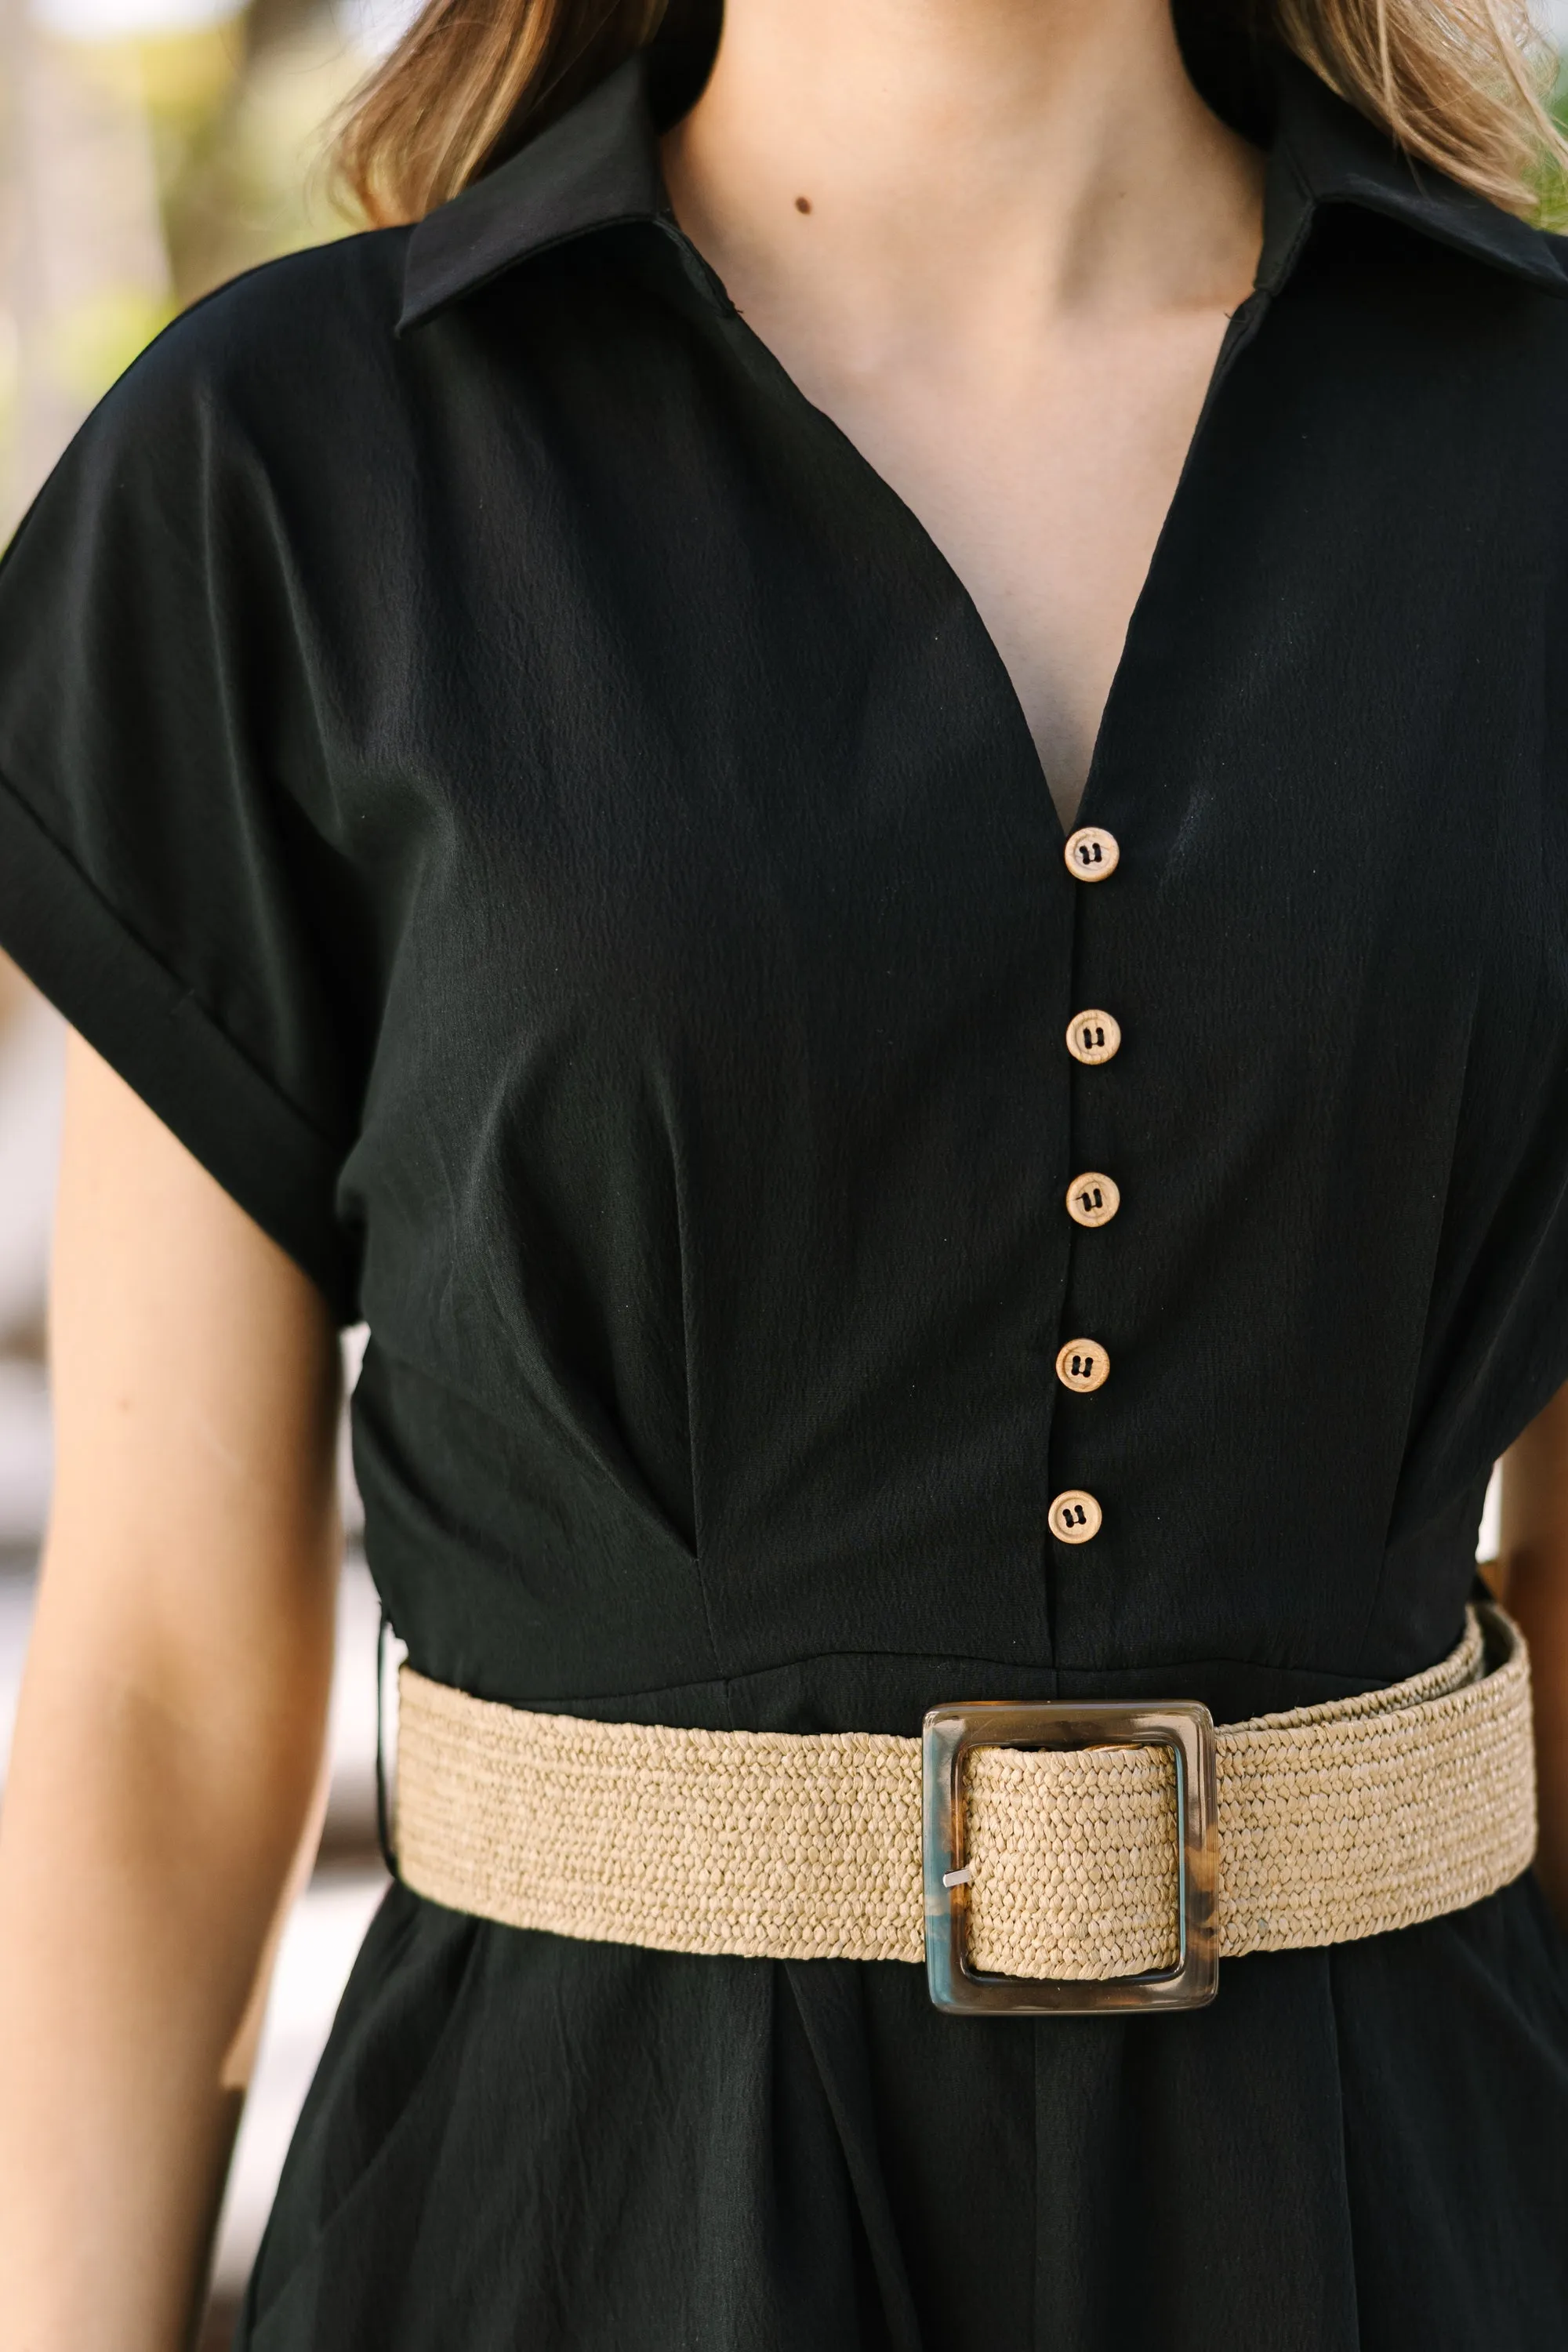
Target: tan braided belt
[(1109, 1859)]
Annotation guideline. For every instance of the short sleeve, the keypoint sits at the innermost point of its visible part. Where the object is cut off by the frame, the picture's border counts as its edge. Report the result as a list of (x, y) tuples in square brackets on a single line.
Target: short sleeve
[(169, 874)]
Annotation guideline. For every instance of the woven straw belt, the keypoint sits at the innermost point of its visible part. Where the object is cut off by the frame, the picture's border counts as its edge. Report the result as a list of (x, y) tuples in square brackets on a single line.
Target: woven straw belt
[(1335, 1822)]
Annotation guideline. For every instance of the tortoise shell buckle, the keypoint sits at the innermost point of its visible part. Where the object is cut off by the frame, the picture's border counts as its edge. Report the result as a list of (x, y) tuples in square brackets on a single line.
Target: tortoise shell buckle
[(1184, 1727)]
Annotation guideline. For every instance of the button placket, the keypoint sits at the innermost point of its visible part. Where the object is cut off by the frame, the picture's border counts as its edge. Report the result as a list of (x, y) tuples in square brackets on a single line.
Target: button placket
[(1093, 1198)]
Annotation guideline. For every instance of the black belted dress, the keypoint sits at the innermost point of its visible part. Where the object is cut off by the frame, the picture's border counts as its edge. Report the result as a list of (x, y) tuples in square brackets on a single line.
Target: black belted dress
[(532, 810)]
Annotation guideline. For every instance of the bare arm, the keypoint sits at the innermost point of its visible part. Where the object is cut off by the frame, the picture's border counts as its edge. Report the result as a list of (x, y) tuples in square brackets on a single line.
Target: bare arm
[(1532, 1578), (170, 1735)]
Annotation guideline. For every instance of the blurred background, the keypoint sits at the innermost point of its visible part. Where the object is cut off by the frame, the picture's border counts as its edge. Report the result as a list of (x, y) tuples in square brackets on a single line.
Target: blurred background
[(150, 150)]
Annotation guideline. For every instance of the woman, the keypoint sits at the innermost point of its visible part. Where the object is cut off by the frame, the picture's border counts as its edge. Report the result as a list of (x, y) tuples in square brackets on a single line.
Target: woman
[(531, 745)]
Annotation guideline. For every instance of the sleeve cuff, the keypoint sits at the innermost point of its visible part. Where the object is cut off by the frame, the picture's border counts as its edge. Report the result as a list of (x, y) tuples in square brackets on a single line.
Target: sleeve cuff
[(150, 1028)]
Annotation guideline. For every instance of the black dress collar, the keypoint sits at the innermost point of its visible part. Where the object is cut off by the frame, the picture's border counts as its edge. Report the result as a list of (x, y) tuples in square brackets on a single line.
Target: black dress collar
[(597, 167), (1324, 152)]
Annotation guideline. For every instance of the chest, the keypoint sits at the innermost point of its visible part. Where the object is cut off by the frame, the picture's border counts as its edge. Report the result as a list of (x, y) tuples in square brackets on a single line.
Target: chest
[(728, 764), (1043, 478), (731, 955)]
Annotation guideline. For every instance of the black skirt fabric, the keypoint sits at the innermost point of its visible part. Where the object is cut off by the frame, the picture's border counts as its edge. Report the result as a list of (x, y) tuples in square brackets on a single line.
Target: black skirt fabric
[(535, 814), (516, 2140)]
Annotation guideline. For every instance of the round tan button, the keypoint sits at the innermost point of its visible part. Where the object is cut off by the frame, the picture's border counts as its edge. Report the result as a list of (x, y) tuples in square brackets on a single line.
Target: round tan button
[(1092, 1200), (1083, 1366), (1093, 1038), (1075, 1516), (1091, 852)]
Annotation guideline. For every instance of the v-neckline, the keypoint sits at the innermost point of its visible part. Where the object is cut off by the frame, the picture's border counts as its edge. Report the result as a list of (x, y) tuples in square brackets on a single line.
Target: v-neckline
[(1240, 327)]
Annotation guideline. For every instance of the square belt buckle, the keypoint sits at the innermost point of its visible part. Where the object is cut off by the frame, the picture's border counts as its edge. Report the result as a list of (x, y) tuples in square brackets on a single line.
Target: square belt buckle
[(1181, 1726)]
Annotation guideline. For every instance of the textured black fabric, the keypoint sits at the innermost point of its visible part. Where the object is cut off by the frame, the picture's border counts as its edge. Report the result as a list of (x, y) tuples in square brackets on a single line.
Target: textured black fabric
[(534, 811)]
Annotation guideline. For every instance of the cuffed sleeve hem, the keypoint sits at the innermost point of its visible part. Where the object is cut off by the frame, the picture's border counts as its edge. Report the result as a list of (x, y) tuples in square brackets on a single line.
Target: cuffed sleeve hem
[(148, 1025)]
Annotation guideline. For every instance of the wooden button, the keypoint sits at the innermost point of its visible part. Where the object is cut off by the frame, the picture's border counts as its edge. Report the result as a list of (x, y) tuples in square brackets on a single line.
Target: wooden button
[(1083, 1366), (1091, 852), (1075, 1516), (1092, 1200), (1093, 1036)]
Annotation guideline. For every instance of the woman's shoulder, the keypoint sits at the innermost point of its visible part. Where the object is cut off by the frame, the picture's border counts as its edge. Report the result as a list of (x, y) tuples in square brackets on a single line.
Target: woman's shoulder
[(303, 337), (280, 402)]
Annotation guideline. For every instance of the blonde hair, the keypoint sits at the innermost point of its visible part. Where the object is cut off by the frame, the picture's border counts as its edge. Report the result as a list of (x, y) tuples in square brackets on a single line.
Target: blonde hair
[(1460, 84)]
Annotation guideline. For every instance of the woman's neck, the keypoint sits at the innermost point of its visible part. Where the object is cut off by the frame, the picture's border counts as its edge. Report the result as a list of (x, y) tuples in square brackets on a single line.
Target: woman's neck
[(997, 241), (922, 168)]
